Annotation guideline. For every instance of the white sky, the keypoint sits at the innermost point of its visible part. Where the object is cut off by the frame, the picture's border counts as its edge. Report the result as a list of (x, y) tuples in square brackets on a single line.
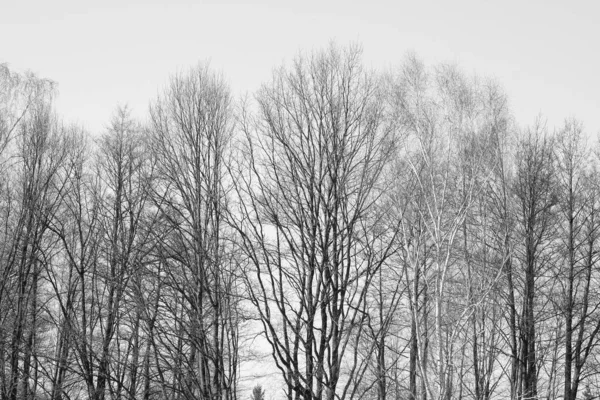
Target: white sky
[(103, 53)]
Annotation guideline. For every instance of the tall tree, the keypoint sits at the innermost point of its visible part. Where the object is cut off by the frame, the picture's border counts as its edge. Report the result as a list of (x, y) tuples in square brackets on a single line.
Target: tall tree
[(577, 184), (32, 198), (75, 229), (535, 191), (125, 170), (309, 216), (448, 121), (191, 128)]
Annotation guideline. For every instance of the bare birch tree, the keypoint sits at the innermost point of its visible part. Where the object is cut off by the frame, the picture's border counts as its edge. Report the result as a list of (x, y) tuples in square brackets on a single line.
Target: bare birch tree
[(448, 123)]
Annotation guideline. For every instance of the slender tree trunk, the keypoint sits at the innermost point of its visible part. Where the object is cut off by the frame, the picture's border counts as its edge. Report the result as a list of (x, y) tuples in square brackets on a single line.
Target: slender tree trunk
[(414, 343)]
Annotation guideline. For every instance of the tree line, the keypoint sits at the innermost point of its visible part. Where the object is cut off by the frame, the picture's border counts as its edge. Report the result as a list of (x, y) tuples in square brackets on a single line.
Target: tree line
[(392, 235)]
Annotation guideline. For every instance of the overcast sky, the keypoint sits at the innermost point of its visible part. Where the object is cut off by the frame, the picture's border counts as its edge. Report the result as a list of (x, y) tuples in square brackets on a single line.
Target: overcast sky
[(546, 54)]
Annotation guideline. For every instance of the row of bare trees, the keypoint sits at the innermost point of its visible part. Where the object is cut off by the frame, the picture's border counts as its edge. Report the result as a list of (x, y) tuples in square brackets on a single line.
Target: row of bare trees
[(390, 236), (118, 280)]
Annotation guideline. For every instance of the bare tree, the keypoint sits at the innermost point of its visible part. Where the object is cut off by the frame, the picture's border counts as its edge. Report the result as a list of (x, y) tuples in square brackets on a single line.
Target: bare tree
[(309, 218), (125, 169), (191, 131), (578, 189), (535, 191), (448, 122), (74, 228), (102, 233), (31, 199)]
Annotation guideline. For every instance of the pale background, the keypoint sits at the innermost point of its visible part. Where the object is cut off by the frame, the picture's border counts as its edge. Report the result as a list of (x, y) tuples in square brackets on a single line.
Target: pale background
[(546, 54)]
